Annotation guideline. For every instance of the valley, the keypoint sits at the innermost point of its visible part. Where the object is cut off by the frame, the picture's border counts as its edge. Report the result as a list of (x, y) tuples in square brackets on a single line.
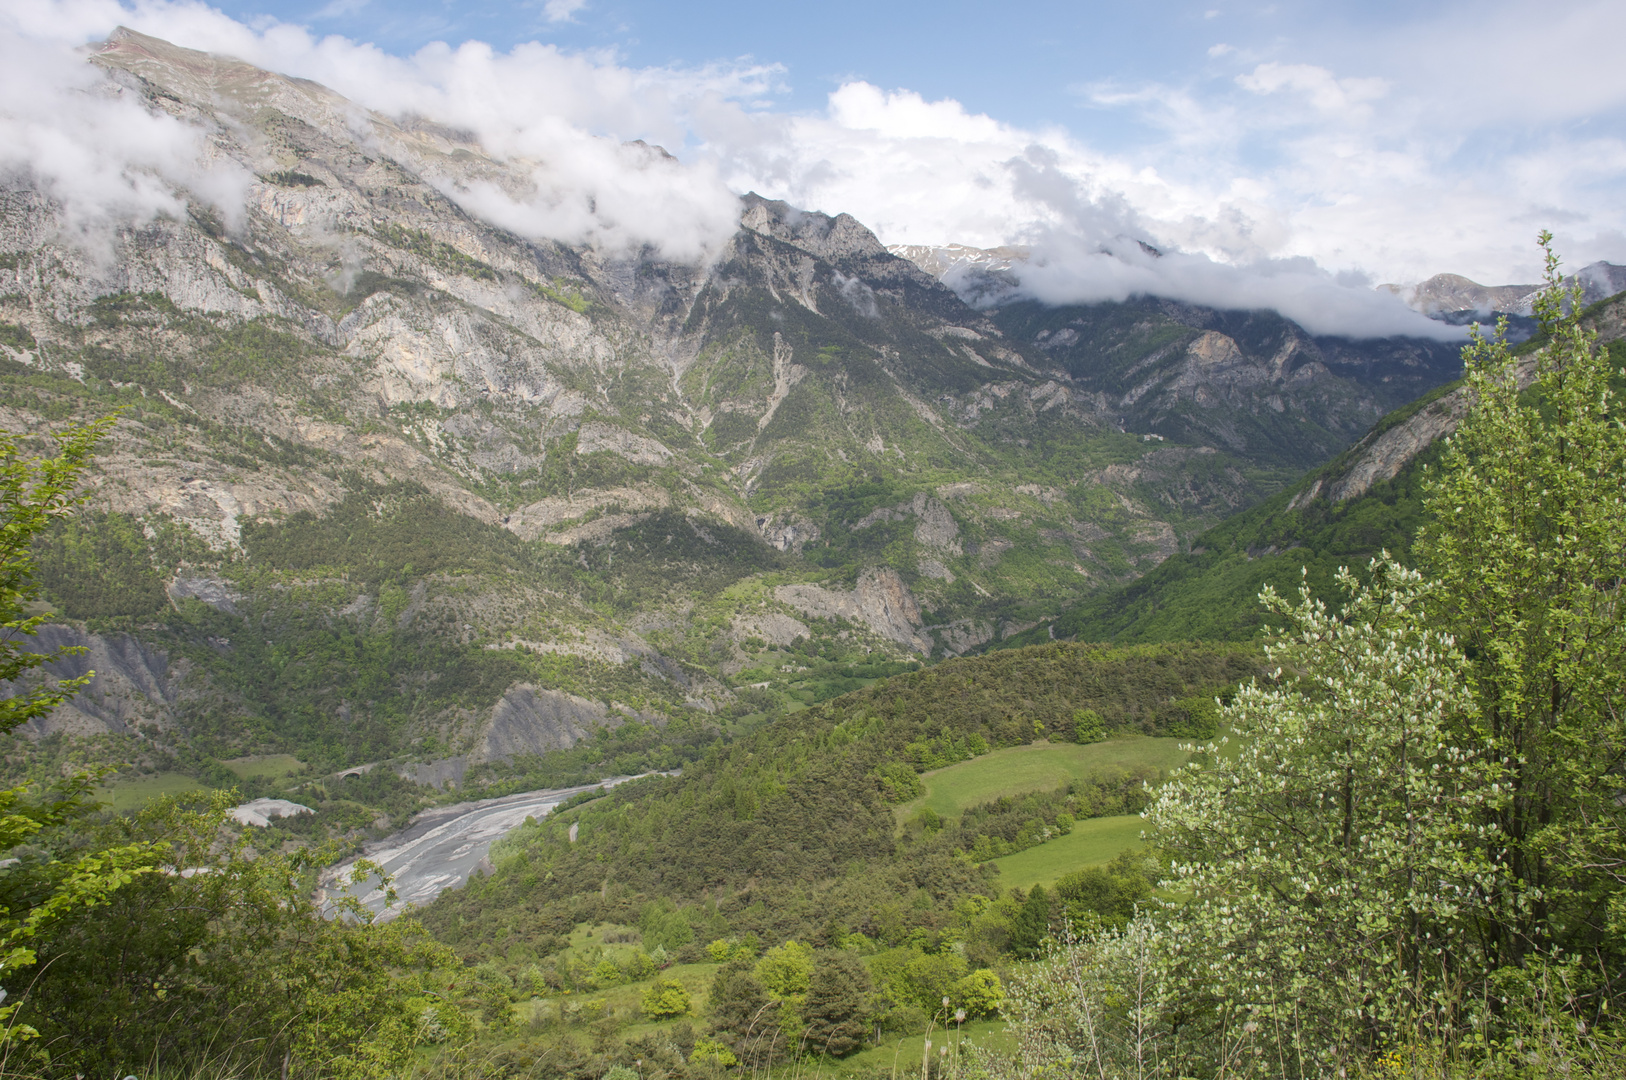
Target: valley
[(475, 497), (439, 849), (811, 656)]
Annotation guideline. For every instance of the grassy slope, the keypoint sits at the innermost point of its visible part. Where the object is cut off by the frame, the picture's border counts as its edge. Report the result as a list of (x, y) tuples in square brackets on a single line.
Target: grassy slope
[(1042, 766), (132, 794), (1036, 767), (1091, 843)]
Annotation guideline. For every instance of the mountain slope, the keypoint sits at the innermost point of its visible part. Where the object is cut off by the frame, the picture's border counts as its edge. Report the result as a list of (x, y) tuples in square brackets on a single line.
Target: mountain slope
[(1369, 499), (392, 483)]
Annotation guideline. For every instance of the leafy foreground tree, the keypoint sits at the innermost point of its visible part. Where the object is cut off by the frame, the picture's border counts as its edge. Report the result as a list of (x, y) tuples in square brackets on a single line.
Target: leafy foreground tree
[(164, 941), (1529, 547), (39, 885), (222, 962), (1413, 865)]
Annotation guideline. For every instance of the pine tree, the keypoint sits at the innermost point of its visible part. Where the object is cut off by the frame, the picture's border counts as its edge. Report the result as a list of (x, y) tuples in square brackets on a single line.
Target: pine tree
[(839, 1004)]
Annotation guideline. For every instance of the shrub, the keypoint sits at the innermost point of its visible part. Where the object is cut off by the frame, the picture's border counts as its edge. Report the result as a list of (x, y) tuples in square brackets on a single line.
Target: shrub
[(665, 999)]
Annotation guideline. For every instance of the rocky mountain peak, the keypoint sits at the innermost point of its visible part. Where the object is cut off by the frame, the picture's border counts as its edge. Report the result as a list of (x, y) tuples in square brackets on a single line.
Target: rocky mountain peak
[(1446, 294)]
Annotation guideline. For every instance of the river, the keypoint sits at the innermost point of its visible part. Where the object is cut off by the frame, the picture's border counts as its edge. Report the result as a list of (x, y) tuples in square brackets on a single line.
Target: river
[(441, 847)]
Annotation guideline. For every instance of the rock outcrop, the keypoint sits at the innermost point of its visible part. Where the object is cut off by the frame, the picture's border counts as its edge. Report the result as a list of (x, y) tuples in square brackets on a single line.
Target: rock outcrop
[(134, 684), (881, 602), (530, 719)]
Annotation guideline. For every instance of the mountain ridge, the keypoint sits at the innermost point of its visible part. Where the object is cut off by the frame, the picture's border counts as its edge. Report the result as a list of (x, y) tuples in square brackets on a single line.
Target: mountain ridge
[(382, 466)]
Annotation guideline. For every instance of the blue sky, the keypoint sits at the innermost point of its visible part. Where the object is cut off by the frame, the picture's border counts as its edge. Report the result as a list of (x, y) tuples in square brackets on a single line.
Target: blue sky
[(1290, 153), (1022, 62)]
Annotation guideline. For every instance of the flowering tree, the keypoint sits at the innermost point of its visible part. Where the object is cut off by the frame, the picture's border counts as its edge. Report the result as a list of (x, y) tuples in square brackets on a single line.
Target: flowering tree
[(1334, 861), (1419, 839), (1528, 543)]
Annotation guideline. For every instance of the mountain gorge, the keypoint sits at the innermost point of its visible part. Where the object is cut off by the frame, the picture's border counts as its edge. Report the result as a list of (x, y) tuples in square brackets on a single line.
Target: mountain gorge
[(390, 482)]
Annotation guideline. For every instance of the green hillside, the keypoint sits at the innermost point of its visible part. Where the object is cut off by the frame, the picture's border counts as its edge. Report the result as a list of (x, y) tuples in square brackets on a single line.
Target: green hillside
[(1042, 766), (1298, 536), (790, 830)]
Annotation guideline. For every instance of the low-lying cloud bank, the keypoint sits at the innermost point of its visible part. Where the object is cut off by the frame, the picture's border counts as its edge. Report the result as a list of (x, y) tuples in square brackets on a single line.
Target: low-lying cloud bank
[(1062, 270), (1306, 237), (87, 140)]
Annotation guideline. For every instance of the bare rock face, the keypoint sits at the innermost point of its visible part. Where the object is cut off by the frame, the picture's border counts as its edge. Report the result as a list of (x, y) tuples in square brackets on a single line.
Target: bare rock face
[(936, 528), (1382, 457), (595, 437), (772, 627), (535, 519), (134, 684), (790, 534), (963, 635), (216, 593), (529, 719), (881, 602)]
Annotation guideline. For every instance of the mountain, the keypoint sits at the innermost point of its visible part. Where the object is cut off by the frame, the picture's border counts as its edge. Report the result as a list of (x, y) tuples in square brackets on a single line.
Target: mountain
[(1449, 294), (391, 483), (1248, 382), (1366, 500)]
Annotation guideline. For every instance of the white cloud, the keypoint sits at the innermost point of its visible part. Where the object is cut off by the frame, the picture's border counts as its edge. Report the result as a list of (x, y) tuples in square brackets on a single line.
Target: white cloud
[(1062, 269), (338, 9), (1325, 91), (562, 10), (560, 118), (93, 146), (1276, 182)]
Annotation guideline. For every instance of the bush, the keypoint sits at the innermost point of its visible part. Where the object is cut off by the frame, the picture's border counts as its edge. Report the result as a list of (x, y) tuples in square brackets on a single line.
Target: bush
[(980, 994), (784, 970), (665, 999), (1088, 726)]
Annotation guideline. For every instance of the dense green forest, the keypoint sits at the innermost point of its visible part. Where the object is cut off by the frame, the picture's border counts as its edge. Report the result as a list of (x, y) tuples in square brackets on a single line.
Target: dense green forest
[(788, 832)]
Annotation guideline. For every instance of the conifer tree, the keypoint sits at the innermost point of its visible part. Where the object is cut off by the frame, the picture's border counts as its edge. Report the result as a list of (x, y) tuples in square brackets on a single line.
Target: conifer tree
[(838, 1005)]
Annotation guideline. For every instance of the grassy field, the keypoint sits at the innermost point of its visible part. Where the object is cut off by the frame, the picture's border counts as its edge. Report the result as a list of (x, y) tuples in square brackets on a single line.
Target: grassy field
[(1091, 843), (904, 1053), (1038, 767), (272, 766), (132, 794)]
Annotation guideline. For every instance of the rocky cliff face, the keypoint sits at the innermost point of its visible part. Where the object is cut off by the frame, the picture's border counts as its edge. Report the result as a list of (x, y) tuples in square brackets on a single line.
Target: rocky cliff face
[(390, 482)]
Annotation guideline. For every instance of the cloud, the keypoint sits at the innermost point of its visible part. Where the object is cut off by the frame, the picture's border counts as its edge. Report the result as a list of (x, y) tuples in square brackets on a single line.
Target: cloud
[(1062, 269), (562, 10), (1326, 92), (559, 119), (1273, 175), (94, 146), (338, 9)]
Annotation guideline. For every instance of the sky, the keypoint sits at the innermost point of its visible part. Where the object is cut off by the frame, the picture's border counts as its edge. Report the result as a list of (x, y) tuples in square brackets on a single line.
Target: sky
[(1289, 154)]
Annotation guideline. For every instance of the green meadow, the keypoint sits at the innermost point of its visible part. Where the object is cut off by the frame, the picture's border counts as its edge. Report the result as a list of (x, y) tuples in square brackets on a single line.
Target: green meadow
[(1035, 767), (134, 794), (1092, 842), (265, 766)]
